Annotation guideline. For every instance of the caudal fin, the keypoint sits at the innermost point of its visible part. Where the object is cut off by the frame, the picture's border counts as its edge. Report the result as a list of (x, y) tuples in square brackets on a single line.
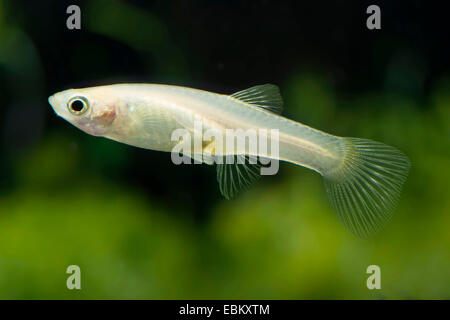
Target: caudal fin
[(365, 188)]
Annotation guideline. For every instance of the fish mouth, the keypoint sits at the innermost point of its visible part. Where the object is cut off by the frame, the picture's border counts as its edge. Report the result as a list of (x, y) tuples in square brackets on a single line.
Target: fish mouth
[(51, 100), (54, 104)]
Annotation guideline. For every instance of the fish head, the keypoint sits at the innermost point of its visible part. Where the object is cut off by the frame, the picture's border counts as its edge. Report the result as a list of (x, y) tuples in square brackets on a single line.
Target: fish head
[(92, 110)]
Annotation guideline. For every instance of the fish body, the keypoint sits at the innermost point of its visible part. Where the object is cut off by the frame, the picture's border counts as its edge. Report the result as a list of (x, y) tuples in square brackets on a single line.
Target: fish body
[(147, 114), (363, 178)]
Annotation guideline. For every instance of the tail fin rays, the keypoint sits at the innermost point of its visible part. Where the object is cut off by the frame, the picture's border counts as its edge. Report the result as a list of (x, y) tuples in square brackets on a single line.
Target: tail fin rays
[(365, 188)]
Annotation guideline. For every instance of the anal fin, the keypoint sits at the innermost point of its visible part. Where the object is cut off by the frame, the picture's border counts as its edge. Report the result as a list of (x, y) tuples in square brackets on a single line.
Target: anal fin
[(237, 176)]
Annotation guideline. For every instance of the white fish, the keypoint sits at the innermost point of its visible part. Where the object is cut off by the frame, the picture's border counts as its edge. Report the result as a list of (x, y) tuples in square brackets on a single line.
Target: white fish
[(363, 178)]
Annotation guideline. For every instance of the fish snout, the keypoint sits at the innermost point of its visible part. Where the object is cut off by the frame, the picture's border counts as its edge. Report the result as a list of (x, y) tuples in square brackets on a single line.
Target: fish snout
[(51, 100), (55, 102)]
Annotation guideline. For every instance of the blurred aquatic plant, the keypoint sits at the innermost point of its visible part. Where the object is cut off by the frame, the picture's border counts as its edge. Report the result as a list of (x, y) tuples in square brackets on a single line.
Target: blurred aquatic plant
[(142, 31), (278, 240), (310, 98)]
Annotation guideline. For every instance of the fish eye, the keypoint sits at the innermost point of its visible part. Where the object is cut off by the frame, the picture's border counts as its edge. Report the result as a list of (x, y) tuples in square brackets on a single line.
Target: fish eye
[(78, 105)]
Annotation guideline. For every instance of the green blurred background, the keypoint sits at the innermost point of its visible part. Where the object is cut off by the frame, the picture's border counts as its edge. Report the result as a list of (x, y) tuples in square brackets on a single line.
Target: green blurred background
[(140, 227)]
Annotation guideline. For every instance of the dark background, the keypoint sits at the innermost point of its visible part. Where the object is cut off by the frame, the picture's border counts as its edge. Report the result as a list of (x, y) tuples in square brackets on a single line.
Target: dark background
[(390, 85)]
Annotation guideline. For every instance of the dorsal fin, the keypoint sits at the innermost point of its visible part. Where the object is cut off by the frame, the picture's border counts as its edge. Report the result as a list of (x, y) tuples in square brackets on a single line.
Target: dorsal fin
[(266, 96)]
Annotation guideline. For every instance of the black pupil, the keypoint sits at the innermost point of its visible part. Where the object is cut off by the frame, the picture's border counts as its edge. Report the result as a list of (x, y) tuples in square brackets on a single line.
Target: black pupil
[(77, 105)]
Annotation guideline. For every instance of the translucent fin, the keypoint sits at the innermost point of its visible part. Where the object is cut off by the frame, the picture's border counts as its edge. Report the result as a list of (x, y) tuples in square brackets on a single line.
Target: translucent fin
[(365, 189), (266, 96), (238, 176)]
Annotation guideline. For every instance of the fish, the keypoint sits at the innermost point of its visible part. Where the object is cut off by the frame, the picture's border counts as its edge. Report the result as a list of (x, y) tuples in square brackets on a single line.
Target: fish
[(362, 178)]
